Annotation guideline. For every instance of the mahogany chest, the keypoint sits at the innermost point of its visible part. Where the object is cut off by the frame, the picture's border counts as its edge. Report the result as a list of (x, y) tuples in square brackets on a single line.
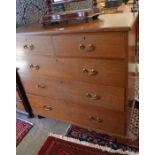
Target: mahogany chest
[(80, 73)]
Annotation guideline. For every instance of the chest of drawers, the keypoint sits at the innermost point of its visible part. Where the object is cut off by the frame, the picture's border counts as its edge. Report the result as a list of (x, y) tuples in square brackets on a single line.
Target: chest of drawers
[(79, 73)]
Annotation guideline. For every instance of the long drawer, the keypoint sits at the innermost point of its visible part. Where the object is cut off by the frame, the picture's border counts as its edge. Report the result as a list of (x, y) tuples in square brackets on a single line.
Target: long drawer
[(88, 116), (34, 44), (98, 71), (78, 92), (103, 44)]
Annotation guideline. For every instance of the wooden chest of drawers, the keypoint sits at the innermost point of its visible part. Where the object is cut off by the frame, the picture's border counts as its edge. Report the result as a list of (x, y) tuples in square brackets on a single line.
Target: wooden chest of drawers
[(79, 73)]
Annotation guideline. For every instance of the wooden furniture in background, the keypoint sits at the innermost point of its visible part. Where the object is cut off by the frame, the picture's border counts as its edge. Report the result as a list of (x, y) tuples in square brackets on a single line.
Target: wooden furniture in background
[(79, 73)]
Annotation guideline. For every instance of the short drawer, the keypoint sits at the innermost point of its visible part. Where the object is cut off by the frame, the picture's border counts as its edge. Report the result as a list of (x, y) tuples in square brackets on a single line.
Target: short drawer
[(77, 92), (91, 117), (34, 44), (104, 44), (97, 71)]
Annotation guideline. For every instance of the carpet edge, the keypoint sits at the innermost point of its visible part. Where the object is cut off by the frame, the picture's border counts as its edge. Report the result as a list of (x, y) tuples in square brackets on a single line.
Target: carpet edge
[(103, 148), (19, 139)]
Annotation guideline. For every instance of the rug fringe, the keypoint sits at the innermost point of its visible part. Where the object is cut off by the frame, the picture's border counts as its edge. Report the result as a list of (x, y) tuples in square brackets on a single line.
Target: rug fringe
[(103, 148), (69, 126)]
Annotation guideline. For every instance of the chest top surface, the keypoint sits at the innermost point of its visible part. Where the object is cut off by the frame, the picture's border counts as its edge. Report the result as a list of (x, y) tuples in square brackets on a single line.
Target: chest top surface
[(105, 22)]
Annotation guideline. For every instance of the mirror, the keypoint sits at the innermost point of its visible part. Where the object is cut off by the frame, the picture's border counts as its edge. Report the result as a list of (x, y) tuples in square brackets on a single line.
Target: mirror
[(82, 15), (65, 1)]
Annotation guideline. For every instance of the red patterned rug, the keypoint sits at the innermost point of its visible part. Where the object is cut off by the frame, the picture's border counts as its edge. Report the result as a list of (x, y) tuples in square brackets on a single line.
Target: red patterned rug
[(62, 145), (93, 137), (22, 128)]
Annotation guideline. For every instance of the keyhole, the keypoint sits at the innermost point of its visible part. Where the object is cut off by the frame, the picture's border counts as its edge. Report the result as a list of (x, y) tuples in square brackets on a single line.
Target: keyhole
[(84, 38)]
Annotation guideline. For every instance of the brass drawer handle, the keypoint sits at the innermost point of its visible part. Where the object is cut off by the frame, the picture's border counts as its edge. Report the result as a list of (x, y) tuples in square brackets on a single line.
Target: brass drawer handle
[(87, 48), (48, 108), (99, 120), (89, 71), (31, 46), (82, 47), (96, 119), (41, 86), (92, 118), (25, 46), (92, 96), (36, 67)]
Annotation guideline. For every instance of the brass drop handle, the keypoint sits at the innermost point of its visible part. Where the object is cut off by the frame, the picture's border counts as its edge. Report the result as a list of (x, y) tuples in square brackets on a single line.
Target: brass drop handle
[(96, 119), (92, 117), (41, 86), (89, 71), (87, 48), (92, 96), (25, 46), (36, 67), (82, 47), (48, 108), (99, 120), (31, 46)]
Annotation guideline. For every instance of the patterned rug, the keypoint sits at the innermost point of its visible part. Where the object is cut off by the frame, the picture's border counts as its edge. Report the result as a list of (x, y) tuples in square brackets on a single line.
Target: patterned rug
[(93, 137), (22, 128), (61, 145), (134, 123)]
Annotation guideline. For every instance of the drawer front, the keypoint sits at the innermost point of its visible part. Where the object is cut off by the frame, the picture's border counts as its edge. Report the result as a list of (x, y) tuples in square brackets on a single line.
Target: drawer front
[(97, 71), (108, 45), (92, 117), (29, 44), (77, 92)]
